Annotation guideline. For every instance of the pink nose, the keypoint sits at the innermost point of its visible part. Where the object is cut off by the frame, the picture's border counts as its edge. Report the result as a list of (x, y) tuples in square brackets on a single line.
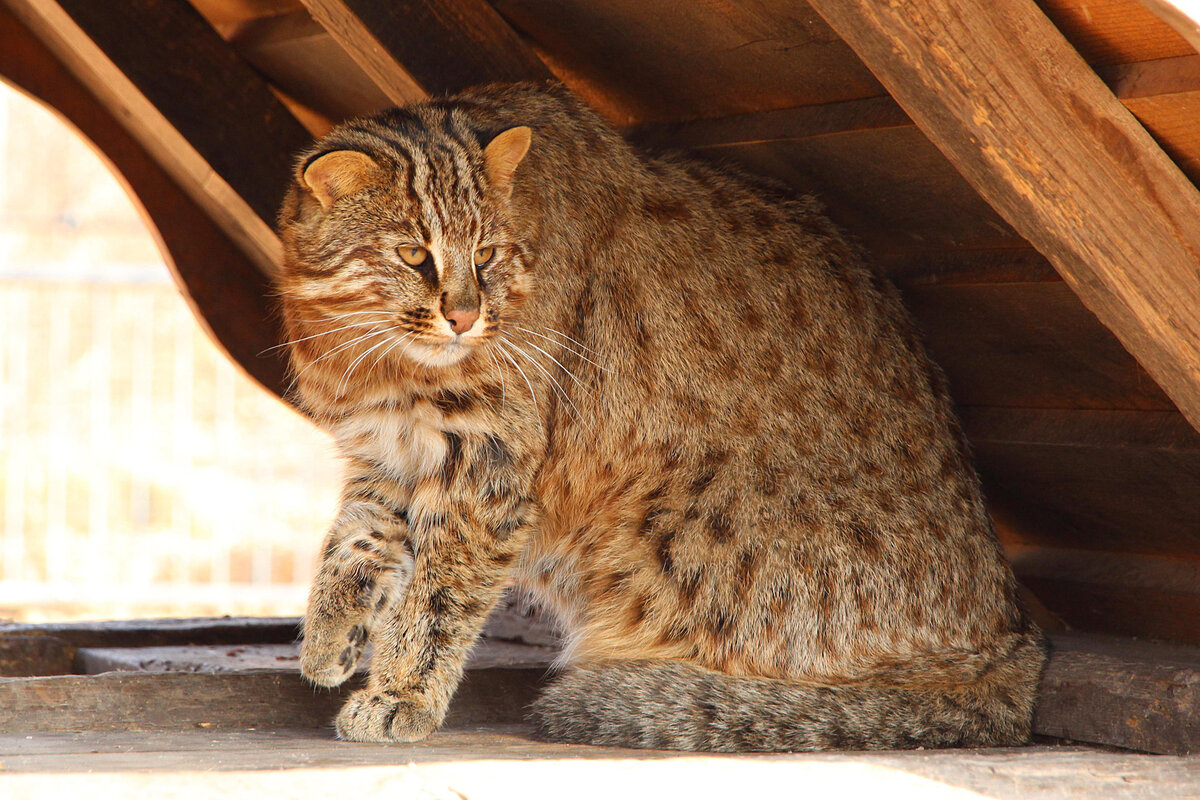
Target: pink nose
[(460, 320)]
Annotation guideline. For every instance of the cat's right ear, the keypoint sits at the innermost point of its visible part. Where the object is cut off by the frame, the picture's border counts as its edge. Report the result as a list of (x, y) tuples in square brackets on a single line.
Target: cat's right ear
[(334, 175)]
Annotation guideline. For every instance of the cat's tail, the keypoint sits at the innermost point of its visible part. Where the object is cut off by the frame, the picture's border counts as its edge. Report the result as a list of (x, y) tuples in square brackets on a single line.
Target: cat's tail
[(971, 700)]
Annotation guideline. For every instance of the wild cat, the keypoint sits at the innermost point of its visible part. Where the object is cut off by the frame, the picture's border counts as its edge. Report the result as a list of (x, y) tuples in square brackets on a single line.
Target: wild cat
[(667, 401)]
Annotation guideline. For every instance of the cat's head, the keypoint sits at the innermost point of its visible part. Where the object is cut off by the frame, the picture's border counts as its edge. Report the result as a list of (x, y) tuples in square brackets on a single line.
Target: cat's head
[(398, 242)]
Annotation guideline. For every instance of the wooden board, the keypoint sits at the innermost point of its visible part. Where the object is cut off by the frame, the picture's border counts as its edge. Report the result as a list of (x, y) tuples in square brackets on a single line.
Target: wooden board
[(1124, 481), (656, 61), (419, 47), (1060, 159), (501, 764), (1028, 345)]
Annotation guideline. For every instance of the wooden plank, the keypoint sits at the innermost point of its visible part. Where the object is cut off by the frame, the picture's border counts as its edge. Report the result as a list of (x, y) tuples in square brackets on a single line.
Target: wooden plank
[(22, 656), (487, 654), (1121, 692), (666, 62), (420, 47), (222, 13), (163, 632), (199, 110), (303, 61), (1045, 142), (1028, 345), (1120, 481), (1121, 593), (1114, 31), (1180, 15), (251, 699), (225, 288), (503, 764)]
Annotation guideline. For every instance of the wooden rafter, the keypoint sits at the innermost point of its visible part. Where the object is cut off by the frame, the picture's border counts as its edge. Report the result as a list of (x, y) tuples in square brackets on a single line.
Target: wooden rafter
[(183, 92), (419, 47), (1037, 133), (228, 293)]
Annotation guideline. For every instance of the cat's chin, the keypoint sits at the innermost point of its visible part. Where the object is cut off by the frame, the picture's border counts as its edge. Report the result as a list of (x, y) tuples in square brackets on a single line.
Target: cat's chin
[(438, 355)]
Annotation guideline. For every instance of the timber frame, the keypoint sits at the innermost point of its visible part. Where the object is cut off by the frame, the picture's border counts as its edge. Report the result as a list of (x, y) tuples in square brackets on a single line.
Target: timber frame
[(1025, 171)]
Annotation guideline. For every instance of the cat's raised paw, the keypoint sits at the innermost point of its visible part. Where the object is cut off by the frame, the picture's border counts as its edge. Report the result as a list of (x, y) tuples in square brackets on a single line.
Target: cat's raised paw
[(386, 716), (328, 660)]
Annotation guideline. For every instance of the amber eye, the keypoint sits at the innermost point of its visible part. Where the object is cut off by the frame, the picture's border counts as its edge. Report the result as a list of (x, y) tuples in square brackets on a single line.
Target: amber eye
[(483, 255), (413, 256)]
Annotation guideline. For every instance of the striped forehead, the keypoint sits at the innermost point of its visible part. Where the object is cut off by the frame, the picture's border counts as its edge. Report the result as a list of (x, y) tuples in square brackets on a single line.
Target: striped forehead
[(445, 189)]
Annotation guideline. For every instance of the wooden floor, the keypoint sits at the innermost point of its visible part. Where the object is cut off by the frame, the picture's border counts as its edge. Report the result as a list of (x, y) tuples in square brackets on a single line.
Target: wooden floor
[(502, 762), (217, 708)]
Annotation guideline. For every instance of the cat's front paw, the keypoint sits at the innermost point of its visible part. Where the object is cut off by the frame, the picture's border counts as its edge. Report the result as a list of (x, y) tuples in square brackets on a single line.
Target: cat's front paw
[(386, 716), (328, 657)]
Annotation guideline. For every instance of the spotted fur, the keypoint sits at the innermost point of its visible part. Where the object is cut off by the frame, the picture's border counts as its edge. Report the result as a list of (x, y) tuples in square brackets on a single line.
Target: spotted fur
[(689, 422)]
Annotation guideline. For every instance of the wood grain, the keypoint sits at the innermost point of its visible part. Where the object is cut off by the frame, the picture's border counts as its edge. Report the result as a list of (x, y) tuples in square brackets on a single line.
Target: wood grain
[(417, 47), (1045, 142)]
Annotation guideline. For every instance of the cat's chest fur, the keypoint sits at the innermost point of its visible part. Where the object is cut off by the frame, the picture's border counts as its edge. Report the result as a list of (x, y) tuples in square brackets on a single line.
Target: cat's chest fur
[(404, 433)]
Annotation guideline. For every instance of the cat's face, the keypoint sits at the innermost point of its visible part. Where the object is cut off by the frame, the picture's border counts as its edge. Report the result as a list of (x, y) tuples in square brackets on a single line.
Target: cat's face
[(403, 249)]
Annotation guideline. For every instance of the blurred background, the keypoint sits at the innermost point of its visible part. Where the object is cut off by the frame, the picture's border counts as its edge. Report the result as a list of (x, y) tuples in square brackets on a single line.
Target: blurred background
[(142, 473)]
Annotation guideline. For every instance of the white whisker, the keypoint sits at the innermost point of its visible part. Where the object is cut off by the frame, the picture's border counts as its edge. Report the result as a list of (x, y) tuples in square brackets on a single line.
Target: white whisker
[(560, 364), (350, 369), (567, 347), (499, 371), (325, 333), (550, 377), (532, 396)]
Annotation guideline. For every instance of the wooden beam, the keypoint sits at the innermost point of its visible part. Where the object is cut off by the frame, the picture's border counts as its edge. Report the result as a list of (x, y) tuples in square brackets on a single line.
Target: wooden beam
[(1033, 129), (413, 48), (303, 60), (186, 96), (227, 291)]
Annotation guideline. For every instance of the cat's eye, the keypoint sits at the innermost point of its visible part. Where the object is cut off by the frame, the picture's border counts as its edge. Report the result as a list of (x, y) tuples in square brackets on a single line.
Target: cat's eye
[(413, 256), (483, 255)]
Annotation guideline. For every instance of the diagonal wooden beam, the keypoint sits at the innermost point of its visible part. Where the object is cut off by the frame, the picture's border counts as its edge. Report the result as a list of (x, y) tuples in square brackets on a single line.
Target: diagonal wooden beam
[(187, 97), (1013, 106), (228, 294), (412, 48)]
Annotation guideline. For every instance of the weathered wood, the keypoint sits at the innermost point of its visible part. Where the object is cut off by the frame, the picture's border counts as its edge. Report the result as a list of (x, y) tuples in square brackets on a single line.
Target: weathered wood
[(250, 699), (420, 47), (1123, 693), (181, 91), (163, 632), (503, 764), (488, 653), (1045, 142), (23, 656), (226, 289)]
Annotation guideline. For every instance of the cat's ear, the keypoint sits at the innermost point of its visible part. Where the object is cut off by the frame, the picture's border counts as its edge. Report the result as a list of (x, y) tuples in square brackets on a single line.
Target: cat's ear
[(337, 174), (502, 156)]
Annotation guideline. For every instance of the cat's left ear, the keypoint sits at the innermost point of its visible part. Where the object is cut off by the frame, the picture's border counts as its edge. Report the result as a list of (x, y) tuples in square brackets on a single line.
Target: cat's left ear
[(502, 156), (337, 174)]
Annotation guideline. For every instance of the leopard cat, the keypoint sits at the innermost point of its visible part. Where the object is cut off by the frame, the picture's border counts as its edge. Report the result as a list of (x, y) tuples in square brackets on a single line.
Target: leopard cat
[(665, 400)]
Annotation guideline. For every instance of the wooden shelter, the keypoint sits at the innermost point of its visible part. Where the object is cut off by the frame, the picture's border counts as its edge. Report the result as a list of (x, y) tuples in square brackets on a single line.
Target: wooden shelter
[(1024, 171)]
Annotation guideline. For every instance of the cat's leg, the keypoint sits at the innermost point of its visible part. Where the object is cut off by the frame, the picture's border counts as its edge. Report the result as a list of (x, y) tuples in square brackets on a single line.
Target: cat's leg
[(469, 524), (366, 564)]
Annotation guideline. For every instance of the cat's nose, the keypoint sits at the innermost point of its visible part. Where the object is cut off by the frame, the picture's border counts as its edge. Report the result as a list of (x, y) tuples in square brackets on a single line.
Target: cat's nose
[(461, 320)]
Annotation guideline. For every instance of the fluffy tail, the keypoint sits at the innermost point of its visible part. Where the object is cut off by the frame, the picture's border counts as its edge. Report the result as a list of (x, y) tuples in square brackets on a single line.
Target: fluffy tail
[(976, 700)]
